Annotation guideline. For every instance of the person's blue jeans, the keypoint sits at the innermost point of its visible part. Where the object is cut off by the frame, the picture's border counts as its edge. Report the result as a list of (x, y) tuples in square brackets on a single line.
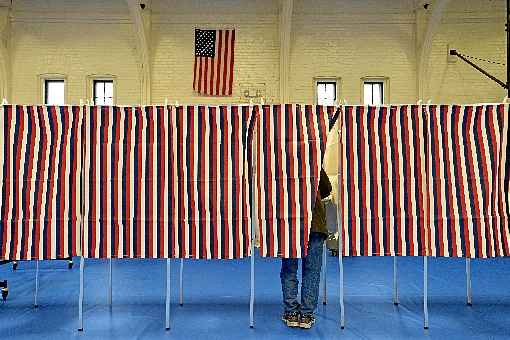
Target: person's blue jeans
[(311, 276)]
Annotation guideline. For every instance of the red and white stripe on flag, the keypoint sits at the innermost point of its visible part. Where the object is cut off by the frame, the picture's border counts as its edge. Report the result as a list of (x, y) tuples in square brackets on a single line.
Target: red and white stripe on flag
[(40, 165), (290, 147), (214, 76), (167, 182), (469, 175), (384, 181)]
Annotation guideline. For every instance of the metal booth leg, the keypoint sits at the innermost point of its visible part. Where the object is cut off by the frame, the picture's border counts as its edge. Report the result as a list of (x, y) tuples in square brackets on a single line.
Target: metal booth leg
[(80, 302), (324, 274), (395, 282), (167, 299), (469, 290), (36, 284), (425, 293), (110, 283), (181, 288)]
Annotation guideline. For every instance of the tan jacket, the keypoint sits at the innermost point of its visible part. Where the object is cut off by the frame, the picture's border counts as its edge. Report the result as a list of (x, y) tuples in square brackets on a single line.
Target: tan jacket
[(319, 224)]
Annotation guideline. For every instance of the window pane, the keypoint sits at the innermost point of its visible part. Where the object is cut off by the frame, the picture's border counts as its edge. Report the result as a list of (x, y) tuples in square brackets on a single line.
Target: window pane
[(108, 89), (103, 92), (330, 91), (373, 93), (326, 93), (99, 90), (367, 99), (54, 91), (377, 89)]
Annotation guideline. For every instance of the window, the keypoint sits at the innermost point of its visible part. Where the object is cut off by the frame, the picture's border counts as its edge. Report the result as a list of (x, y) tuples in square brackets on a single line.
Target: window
[(373, 93), (103, 92), (54, 92), (326, 92)]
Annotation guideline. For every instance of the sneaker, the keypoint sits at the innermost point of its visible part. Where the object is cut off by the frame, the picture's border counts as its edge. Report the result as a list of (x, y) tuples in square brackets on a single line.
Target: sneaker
[(307, 321), (291, 319)]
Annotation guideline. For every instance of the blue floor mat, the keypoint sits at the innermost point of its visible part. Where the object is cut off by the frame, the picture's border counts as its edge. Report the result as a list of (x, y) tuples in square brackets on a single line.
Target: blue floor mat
[(216, 301)]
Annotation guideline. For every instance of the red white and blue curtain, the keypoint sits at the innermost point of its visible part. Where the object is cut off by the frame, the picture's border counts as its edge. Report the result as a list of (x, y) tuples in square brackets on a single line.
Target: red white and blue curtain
[(384, 181), (290, 146), (40, 167), (469, 176), (173, 182), (425, 181), (167, 182)]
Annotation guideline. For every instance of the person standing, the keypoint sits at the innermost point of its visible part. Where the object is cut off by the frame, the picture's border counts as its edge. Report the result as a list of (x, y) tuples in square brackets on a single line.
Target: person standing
[(302, 314)]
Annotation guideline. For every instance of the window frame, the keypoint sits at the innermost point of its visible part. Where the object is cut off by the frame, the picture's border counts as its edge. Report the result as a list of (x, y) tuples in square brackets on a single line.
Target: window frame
[(104, 81), (46, 90), (48, 77), (372, 83), (90, 85), (377, 79), (328, 80)]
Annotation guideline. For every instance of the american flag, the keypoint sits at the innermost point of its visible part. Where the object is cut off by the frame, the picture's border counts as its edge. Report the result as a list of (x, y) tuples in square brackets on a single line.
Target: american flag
[(213, 72)]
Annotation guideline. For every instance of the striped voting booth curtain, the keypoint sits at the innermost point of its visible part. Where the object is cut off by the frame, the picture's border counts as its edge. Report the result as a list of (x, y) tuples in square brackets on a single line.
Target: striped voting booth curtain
[(469, 175), (290, 145), (40, 165), (167, 182), (383, 180)]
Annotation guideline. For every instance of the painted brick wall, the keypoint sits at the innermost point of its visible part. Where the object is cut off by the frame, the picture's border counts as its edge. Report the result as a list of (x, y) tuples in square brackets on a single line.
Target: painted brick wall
[(76, 39), (256, 50), (349, 39), (476, 28)]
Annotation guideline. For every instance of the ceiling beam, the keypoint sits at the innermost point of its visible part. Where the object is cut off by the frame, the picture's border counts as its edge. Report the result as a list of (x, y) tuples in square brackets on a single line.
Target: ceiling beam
[(424, 40), (286, 9), (141, 22), (5, 74)]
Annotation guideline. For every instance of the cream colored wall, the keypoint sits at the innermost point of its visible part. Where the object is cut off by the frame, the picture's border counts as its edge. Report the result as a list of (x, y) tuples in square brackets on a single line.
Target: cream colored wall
[(256, 48), (75, 39), (475, 28), (348, 39), (353, 40)]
